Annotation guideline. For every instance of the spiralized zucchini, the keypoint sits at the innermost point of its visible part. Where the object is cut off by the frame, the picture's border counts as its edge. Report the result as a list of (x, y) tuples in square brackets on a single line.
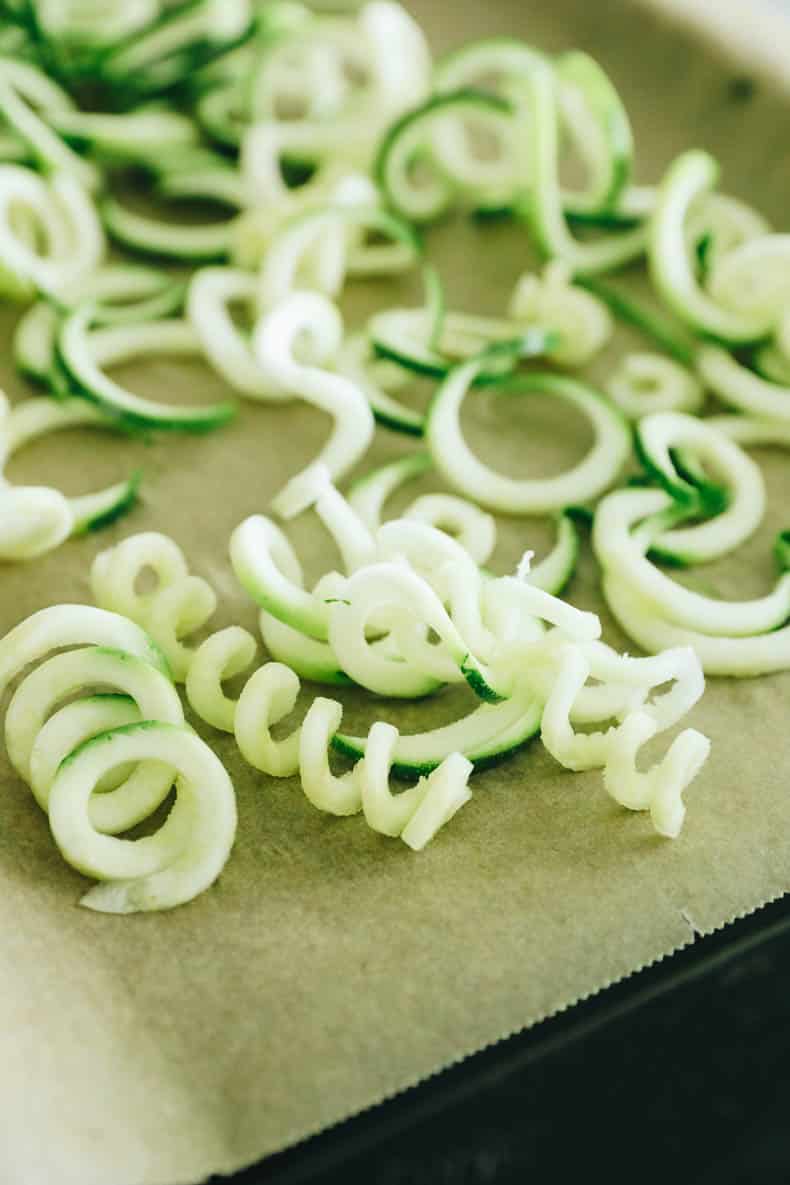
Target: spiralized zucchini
[(128, 746), (58, 213), (227, 348), (329, 141), (731, 488), (691, 177), (488, 632), (467, 474), (415, 814), (85, 352), (275, 341), (180, 860), (730, 638), (179, 604), (122, 292), (644, 383), (37, 519), (581, 321), (24, 92)]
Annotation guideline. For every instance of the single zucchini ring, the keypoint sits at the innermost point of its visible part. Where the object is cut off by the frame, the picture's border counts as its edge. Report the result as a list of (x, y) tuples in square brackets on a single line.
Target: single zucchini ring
[(622, 550), (740, 387), (471, 477), (23, 88), (211, 291), (188, 852), (30, 530), (122, 292), (64, 214), (420, 138), (168, 240), (645, 383), (542, 202), (38, 742), (487, 735), (84, 353), (72, 625), (734, 495), (671, 264)]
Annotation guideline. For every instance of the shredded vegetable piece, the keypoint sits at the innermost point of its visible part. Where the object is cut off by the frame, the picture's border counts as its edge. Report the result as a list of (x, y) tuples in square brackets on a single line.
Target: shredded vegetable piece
[(36, 519), (180, 860), (467, 474), (179, 605), (276, 339)]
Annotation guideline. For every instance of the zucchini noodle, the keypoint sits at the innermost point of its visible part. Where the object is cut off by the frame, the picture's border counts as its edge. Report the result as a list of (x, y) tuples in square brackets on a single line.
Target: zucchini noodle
[(191, 243), (741, 657), (536, 97), (128, 746), (659, 789), (35, 519), (378, 379), (227, 348), (751, 278), (736, 498), (23, 89), (416, 814), (469, 476), (645, 383), (63, 216), (123, 292), (37, 742), (741, 388), (72, 625), (221, 656), (581, 321), (593, 120), (619, 548), (180, 604), (85, 352), (275, 341), (180, 860), (182, 38), (692, 176), (730, 638), (268, 568)]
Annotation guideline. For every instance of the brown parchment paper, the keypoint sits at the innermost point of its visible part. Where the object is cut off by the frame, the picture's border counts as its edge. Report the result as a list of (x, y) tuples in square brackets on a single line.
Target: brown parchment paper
[(329, 967)]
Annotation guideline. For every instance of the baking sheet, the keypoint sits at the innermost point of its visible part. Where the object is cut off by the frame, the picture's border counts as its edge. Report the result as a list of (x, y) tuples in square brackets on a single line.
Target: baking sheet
[(330, 967)]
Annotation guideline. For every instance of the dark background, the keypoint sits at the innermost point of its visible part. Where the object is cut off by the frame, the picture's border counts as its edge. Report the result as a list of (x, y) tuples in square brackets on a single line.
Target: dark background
[(681, 1073)]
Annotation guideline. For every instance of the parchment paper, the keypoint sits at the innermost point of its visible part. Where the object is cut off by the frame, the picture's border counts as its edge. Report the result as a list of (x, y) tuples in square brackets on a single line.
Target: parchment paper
[(330, 967)]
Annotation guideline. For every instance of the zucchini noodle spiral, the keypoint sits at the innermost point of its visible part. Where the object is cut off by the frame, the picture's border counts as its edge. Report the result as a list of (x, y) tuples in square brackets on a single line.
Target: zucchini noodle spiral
[(180, 604), (37, 519), (128, 745)]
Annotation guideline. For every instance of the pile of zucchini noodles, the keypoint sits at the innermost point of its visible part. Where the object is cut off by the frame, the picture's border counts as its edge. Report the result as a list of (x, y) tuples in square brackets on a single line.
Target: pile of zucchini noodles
[(330, 142)]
